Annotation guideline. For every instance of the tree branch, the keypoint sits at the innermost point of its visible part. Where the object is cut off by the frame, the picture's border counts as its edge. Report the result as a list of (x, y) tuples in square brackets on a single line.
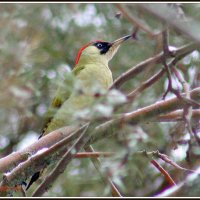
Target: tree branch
[(146, 84), (157, 59), (97, 164), (141, 115), (177, 116), (164, 172), (135, 21), (191, 29), (37, 162), (12, 160), (60, 167), (94, 154)]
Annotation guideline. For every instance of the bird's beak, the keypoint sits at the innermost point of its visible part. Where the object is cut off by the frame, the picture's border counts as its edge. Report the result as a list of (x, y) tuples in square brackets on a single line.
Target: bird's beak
[(115, 45), (119, 41)]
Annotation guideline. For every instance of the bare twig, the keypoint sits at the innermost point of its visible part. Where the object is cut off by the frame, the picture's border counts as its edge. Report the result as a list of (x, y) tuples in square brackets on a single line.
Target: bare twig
[(165, 158), (164, 13), (169, 75), (166, 52), (187, 114), (169, 161), (146, 84), (97, 164), (93, 154), (165, 35), (157, 76), (181, 189), (134, 20), (164, 172)]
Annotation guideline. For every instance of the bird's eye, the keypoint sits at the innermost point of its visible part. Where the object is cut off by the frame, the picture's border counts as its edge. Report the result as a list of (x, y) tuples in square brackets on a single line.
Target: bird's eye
[(99, 45)]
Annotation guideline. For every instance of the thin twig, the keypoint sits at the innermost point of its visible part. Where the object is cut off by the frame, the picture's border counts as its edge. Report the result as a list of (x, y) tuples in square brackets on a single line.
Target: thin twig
[(97, 164), (164, 172), (165, 158), (146, 84), (166, 52), (93, 154), (169, 161), (131, 96), (134, 20), (164, 13), (187, 114)]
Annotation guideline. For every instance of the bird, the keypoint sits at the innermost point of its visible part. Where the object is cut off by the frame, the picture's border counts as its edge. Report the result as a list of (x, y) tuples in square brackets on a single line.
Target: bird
[(91, 70)]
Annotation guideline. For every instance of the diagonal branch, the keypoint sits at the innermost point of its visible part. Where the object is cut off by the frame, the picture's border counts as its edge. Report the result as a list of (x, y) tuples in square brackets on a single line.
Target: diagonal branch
[(146, 84), (164, 172), (157, 59), (97, 164), (37, 162), (191, 28), (93, 154), (60, 167), (141, 115), (177, 116), (134, 20)]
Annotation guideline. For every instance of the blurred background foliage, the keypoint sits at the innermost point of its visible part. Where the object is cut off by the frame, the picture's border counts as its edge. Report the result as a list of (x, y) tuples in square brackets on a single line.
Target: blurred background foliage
[(39, 43)]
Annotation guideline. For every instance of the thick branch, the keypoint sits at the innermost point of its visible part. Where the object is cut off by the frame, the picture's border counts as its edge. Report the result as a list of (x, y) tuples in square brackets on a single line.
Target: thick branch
[(38, 161), (12, 160), (142, 115), (67, 157)]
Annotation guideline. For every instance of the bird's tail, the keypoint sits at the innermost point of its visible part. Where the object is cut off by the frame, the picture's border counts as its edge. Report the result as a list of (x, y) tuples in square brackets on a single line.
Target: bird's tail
[(33, 179)]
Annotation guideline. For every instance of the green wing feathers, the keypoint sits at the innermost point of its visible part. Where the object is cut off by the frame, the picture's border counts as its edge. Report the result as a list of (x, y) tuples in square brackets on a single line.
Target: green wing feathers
[(62, 94), (55, 105)]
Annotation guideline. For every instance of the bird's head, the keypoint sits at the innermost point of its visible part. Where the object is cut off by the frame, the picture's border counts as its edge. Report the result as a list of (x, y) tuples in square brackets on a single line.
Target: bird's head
[(99, 51)]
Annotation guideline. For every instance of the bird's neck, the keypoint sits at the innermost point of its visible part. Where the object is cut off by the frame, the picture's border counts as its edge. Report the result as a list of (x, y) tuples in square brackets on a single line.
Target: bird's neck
[(91, 59)]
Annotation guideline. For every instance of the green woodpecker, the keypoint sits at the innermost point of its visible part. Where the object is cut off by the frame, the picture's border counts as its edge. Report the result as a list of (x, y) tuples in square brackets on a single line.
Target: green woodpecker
[(91, 69)]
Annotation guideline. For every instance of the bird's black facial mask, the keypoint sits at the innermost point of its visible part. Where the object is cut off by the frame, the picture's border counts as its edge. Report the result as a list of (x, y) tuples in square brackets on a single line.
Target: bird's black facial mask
[(103, 46)]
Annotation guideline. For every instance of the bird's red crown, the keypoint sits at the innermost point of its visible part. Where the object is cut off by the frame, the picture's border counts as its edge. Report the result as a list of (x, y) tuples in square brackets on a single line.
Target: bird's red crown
[(82, 49)]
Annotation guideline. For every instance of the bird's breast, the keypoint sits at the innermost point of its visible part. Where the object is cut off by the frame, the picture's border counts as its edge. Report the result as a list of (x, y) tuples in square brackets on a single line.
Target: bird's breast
[(99, 75)]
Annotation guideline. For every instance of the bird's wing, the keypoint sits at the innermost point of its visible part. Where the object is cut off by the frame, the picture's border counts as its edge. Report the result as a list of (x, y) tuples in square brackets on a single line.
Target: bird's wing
[(62, 94)]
